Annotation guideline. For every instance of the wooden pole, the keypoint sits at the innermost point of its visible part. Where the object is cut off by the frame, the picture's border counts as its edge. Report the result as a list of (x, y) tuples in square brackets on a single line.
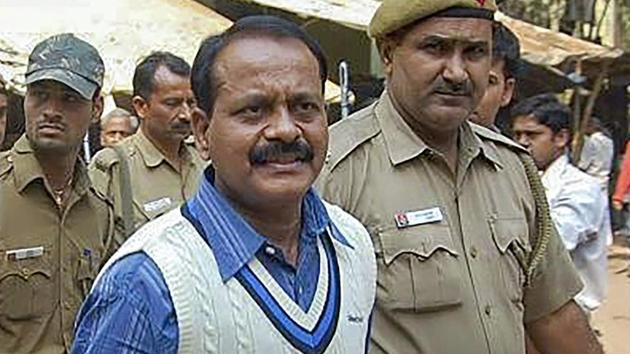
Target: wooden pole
[(578, 137)]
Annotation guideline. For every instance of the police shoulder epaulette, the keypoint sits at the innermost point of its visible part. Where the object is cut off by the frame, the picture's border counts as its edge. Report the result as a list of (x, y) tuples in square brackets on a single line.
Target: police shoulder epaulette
[(348, 134), (105, 159), (6, 163), (488, 134)]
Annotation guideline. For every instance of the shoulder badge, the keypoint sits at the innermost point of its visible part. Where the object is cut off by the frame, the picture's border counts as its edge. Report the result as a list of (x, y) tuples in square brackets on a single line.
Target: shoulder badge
[(488, 134), (348, 134), (105, 159)]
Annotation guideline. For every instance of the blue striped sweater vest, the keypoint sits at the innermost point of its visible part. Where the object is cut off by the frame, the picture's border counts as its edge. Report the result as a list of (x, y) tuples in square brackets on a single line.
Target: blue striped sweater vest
[(251, 313)]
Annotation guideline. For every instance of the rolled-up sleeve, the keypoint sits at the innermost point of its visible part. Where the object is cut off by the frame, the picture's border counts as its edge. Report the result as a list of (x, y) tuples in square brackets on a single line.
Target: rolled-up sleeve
[(129, 311)]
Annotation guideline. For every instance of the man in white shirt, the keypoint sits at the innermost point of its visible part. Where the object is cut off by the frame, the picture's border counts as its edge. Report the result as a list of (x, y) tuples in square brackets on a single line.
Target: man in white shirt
[(578, 208), (596, 160), (597, 154)]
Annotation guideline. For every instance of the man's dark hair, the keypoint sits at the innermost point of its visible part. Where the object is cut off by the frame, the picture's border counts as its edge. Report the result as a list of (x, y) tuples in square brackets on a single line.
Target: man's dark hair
[(144, 76), (507, 47), (203, 77), (546, 109)]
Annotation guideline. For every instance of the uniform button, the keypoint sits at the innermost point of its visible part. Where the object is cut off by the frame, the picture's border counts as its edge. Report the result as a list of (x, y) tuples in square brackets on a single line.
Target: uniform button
[(473, 252), (270, 251), (10, 158), (66, 305), (488, 310)]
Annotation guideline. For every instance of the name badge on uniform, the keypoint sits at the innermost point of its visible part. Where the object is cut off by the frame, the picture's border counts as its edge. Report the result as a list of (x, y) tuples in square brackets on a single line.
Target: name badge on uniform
[(420, 217), (25, 253), (157, 205)]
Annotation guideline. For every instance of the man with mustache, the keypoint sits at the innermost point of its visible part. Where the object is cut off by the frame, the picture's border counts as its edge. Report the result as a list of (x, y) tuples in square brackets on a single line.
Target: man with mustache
[(468, 260), (55, 230), (154, 170), (255, 262)]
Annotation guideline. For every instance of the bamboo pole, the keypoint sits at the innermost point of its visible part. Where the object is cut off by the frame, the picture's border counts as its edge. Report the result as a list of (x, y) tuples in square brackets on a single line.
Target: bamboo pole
[(578, 137)]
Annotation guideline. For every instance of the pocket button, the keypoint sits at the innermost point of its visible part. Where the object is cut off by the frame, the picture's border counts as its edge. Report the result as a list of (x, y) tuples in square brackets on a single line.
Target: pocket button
[(473, 252), (488, 310)]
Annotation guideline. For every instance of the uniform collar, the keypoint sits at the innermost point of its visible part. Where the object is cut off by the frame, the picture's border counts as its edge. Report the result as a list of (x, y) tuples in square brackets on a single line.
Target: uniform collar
[(153, 157), (403, 144), (27, 168), (554, 177), (150, 154), (556, 169), (233, 241)]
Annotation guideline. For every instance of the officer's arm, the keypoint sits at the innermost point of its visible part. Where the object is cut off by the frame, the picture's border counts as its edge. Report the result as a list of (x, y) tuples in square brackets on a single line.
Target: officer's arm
[(565, 331), (102, 169)]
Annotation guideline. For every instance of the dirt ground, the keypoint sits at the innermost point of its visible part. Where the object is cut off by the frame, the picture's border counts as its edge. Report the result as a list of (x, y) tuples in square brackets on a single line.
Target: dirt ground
[(612, 320)]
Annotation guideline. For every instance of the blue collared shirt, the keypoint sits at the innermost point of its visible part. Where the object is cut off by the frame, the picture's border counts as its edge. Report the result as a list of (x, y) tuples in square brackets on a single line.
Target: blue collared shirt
[(130, 309)]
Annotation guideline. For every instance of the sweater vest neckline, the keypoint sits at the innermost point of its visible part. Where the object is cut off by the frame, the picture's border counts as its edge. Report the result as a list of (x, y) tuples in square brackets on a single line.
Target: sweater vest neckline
[(286, 315)]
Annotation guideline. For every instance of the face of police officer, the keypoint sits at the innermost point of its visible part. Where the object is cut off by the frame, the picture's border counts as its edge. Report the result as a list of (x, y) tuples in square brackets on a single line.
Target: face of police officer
[(437, 71), (544, 145), (115, 130), (57, 117), (3, 117), (267, 133), (166, 113), (498, 94)]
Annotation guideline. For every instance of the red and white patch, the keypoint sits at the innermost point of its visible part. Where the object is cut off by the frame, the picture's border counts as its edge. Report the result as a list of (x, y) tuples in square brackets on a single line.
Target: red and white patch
[(481, 2)]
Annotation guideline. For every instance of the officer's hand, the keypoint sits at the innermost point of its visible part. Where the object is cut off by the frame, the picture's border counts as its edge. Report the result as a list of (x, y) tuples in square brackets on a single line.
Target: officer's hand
[(618, 206)]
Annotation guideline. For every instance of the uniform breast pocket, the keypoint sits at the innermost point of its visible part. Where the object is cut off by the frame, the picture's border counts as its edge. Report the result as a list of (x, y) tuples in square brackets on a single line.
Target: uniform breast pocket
[(419, 269), (511, 237), (26, 287)]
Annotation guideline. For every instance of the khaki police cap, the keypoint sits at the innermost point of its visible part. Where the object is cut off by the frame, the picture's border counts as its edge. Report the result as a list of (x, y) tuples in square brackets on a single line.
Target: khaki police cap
[(395, 14)]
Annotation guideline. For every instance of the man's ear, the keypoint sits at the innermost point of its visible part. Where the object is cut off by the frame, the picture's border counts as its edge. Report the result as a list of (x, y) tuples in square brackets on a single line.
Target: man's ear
[(97, 109), (508, 91), (386, 48), (200, 123), (141, 106), (562, 139)]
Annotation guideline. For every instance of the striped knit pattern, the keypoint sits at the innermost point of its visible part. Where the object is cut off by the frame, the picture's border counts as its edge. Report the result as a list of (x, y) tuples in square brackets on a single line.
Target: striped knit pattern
[(251, 313)]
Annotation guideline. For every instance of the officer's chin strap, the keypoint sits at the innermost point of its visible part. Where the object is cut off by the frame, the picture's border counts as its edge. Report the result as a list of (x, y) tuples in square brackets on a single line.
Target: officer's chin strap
[(544, 224)]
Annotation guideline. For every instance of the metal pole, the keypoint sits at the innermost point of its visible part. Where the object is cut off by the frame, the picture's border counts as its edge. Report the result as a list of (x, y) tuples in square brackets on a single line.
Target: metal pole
[(86, 147), (344, 83)]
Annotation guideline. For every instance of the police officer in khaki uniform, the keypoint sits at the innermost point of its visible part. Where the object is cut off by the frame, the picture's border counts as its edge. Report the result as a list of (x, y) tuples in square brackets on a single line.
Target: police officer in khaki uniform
[(55, 231), (154, 170), (468, 260)]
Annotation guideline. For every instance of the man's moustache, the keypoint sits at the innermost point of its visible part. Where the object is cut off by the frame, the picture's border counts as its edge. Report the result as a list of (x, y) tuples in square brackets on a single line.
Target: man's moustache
[(461, 89), (300, 150)]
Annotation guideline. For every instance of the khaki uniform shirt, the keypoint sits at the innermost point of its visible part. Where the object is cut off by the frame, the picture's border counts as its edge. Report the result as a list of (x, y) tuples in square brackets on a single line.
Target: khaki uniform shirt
[(49, 255), (156, 186), (449, 283)]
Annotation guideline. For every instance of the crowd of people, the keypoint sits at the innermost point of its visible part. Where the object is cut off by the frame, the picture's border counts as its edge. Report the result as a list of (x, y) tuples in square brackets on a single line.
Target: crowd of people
[(224, 216)]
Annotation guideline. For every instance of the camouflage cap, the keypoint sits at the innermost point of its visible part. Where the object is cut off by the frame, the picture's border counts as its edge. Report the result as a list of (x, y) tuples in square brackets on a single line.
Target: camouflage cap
[(395, 14), (69, 60)]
